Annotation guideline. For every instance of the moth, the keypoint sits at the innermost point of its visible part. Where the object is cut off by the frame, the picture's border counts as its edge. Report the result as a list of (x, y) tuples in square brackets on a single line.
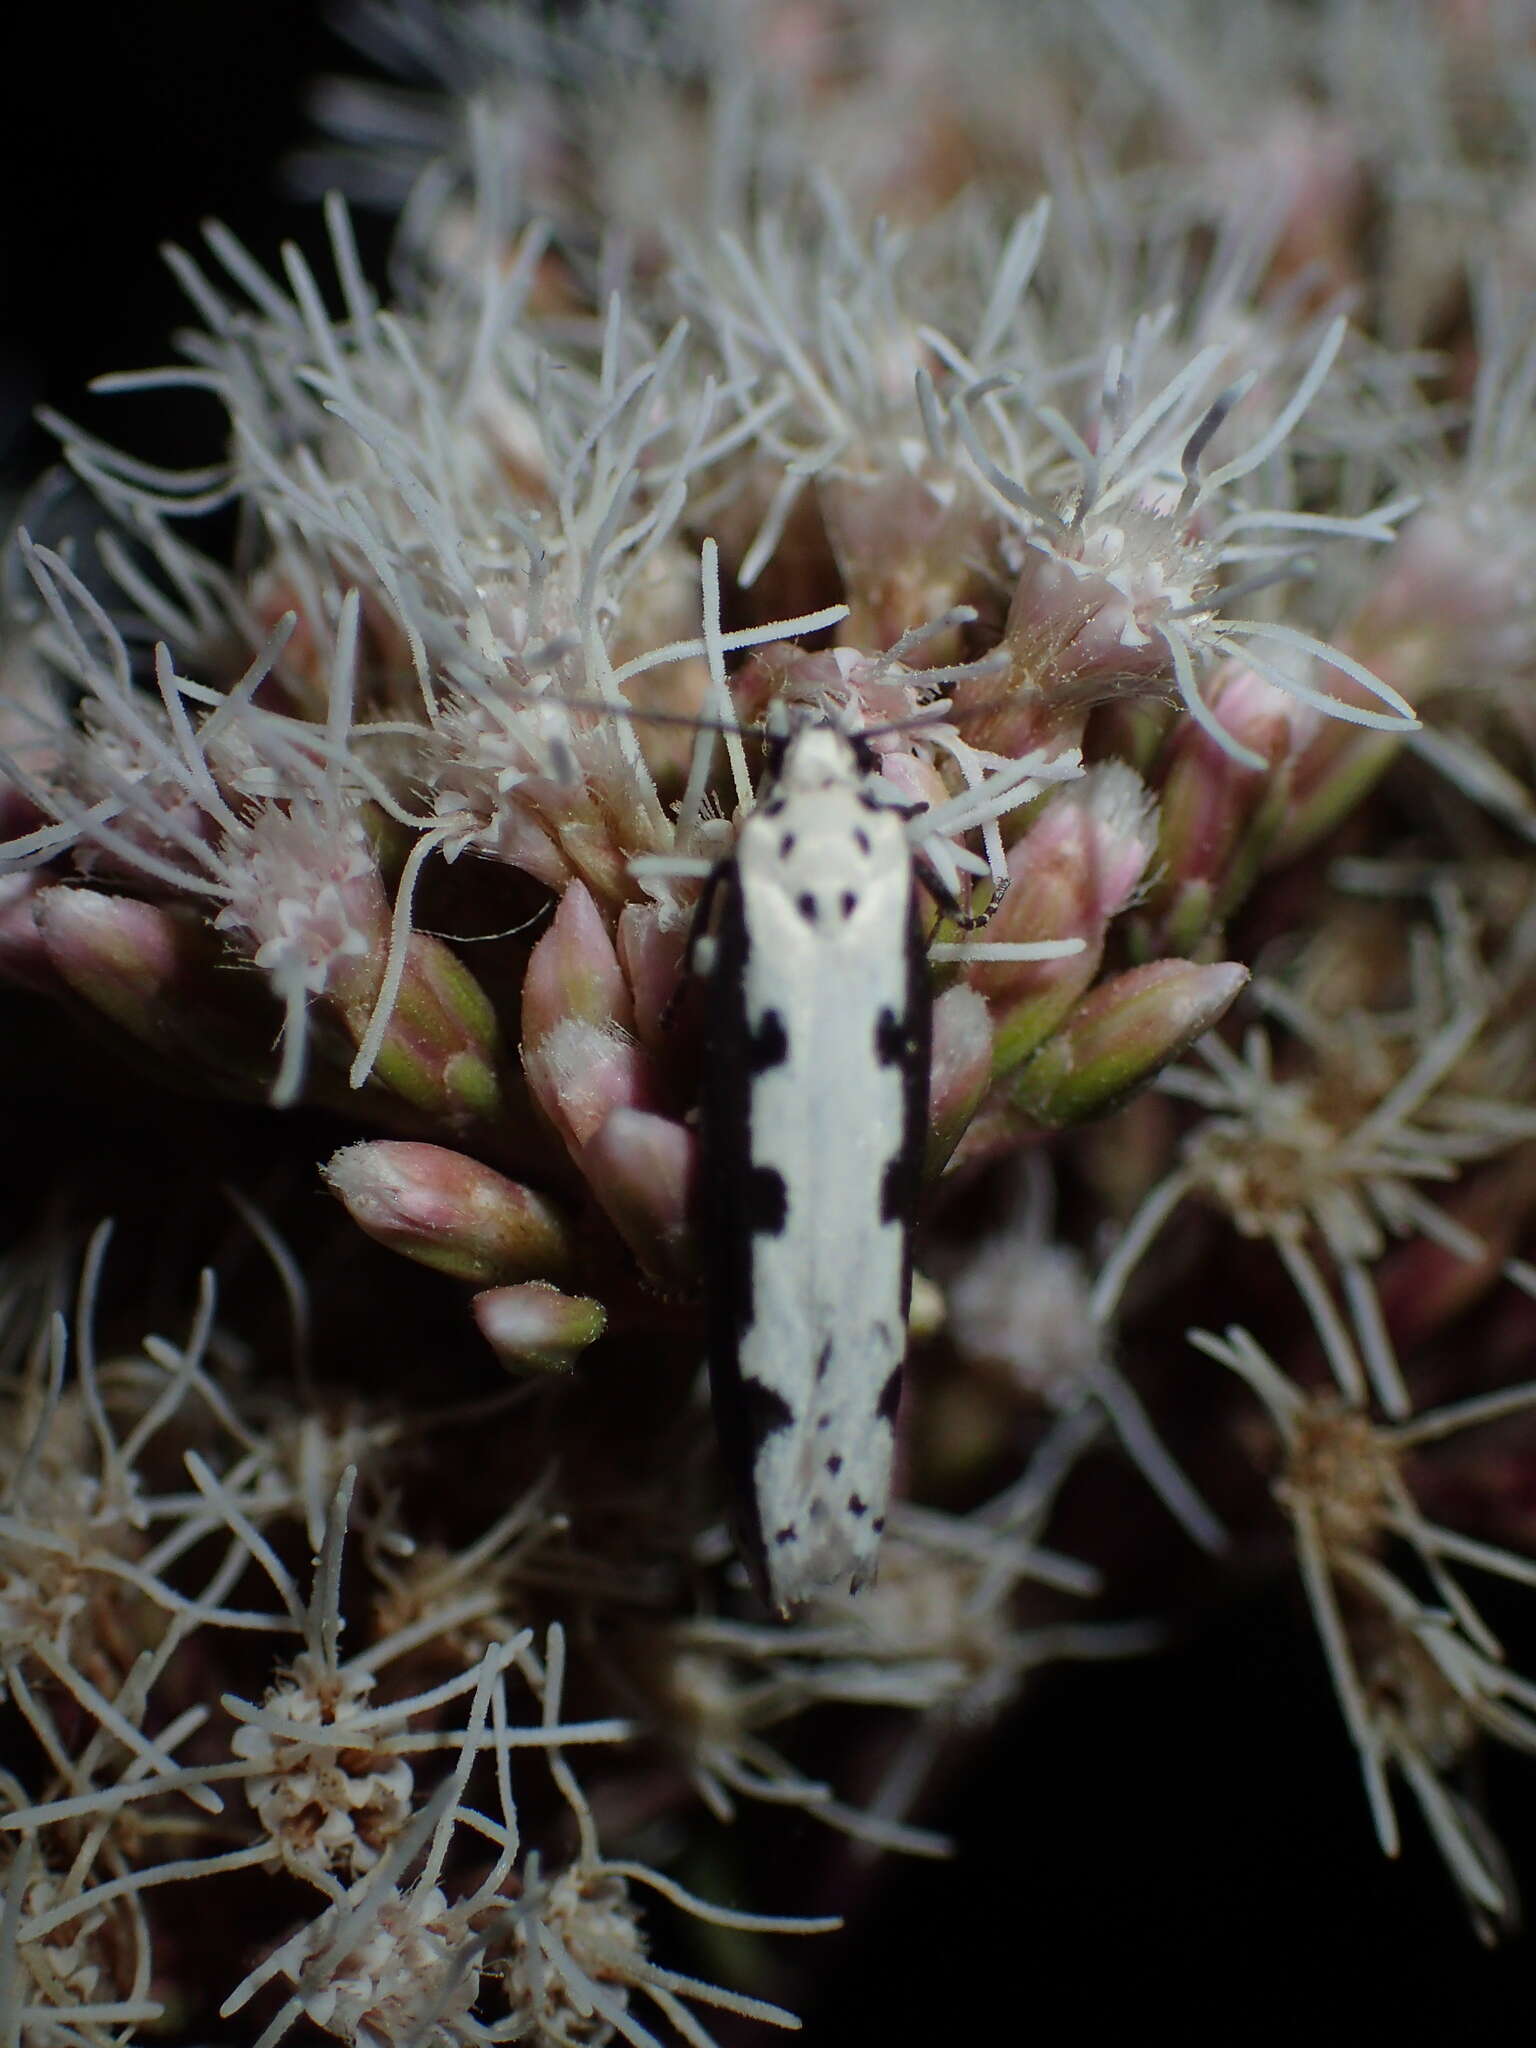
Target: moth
[(813, 1117), (813, 1103)]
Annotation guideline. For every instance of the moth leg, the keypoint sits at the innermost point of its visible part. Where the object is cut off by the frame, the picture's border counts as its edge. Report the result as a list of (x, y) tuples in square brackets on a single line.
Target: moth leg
[(938, 888)]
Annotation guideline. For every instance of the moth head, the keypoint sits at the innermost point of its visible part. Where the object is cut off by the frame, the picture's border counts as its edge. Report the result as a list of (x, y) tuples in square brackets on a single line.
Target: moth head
[(807, 748)]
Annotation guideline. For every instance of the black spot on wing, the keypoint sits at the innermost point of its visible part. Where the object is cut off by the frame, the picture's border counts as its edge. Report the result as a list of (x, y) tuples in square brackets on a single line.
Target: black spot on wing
[(786, 846), (767, 1201), (861, 839), (764, 1411), (893, 1046), (767, 1046), (856, 1506), (788, 1534), (823, 1360), (847, 903), (808, 907), (834, 1464), (896, 1190)]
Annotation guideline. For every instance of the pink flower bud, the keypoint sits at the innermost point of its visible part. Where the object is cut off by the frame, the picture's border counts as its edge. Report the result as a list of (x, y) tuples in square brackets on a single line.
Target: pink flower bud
[(120, 955), (653, 967), (158, 972), (641, 1168), (595, 854), (574, 972), (1128, 1029), (1064, 608), (24, 961), (960, 1071), (1072, 872), (536, 1328), (448, 1211), (1216, 817), (580, 1073), (1085, 610), (579, 1055)]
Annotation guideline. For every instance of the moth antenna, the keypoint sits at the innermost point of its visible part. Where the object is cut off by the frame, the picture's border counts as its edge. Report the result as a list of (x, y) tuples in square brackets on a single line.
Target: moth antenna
[(622, 708)]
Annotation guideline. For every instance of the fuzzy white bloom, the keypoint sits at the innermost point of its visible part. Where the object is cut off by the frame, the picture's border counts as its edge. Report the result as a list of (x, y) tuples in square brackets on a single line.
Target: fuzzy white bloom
[(401, 1973), (1339, 1154), (332, 1806), (1416, 1680), (307, 895)]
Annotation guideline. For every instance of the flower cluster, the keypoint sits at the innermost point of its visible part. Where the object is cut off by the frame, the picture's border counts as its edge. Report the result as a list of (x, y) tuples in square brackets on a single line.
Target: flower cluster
[(1157, 495)]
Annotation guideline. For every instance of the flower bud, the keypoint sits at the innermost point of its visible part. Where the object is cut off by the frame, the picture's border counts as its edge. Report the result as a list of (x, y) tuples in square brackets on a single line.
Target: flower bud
[(641, 1167), (122, 956), (580, 1074), (536, 1328), (24, 961), (1071, 873), (574, 972), (1124, 1033), (440, 1050), (449, 1212), (579, 1054), (159, 973), (1216, 816), (961, 1069), (1076, 610), (1083, 626), (653, 967)]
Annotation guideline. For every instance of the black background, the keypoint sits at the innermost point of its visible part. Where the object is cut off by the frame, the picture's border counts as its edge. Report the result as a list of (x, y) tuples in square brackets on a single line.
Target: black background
[(1180, 1841)]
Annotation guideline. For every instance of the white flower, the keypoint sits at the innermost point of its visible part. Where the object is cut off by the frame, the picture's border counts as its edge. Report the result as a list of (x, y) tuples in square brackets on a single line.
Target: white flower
[(1416, 1678)]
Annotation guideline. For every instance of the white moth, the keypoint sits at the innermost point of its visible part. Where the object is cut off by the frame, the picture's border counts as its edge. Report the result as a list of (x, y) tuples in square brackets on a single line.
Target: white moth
[(813, 1119), (814, 1097)]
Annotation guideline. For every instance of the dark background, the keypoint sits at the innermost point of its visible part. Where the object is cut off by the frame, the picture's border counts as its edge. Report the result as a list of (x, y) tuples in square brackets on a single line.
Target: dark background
[(1181, 1840), (124, 126)]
